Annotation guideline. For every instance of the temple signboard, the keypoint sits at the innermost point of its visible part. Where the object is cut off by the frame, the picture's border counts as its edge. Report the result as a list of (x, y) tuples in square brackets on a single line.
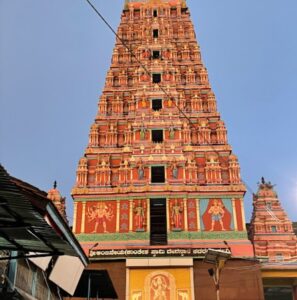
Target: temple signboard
[(156, 252)]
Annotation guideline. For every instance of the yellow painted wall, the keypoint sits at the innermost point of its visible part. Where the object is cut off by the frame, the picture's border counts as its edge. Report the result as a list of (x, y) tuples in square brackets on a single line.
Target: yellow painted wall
[(160, 284)]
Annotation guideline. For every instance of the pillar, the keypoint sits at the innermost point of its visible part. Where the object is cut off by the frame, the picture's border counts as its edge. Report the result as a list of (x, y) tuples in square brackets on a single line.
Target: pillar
[(234, 214), (185, 214), (243, 214), (198, 213), (74, 217), (168, 215), (118, 216), (148, 216), (130, 215), (83, 217)]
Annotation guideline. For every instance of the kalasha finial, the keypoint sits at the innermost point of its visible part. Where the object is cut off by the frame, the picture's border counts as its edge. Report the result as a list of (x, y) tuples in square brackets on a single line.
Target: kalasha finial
[(263, 180), (55, 184)]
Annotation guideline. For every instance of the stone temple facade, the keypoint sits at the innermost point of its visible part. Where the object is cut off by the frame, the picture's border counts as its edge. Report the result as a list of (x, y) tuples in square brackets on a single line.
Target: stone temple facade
[(158, 144), (158, 184)]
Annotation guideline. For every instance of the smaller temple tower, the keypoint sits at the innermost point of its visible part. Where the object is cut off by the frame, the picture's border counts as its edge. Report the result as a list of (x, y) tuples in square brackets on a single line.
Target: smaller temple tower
[(271, 231), (60, 202)]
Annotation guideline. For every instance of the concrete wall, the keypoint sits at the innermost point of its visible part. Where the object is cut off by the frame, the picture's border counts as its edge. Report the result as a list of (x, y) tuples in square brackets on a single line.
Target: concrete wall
[(240, 279)]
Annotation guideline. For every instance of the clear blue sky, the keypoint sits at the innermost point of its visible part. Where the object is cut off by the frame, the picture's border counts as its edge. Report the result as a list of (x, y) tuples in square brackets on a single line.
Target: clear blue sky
[(53, 60)]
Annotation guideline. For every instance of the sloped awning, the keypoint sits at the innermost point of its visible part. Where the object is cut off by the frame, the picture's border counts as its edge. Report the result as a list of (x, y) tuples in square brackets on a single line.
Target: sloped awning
[(29, 222)]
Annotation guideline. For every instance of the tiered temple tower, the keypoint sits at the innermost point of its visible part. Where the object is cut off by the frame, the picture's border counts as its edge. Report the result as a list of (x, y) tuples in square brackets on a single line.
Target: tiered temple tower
[(55, 196), (158, 177), (271, 230)]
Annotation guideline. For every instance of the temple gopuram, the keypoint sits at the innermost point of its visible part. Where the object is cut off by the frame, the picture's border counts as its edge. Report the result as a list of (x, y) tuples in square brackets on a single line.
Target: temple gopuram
[(158, 184), (275, 244)]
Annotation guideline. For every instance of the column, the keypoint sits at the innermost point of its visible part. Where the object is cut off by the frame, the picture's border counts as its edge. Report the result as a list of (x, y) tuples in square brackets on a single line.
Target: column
[(74, 217), (234, 214), (118, 216), (186, 214), (148, 216), (168, 214), (243, 214), (198, 214), (130, 215), (83, 217)]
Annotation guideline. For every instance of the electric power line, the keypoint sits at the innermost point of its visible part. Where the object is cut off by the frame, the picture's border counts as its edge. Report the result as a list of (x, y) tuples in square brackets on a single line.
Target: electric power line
[(150, 74)]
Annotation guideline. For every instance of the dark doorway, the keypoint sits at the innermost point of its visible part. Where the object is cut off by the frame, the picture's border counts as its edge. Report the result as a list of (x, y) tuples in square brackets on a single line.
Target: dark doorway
[(95, 284), (278, 293), (158, 174), (156, 54), (156, 104), (157, 136), (156, 78), (155, 33), (158, 222), (155, 13)]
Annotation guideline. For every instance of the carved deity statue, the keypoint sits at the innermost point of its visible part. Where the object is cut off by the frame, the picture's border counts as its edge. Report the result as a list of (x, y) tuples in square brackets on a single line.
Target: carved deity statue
[(176, 215), (140, 170), (174, 168), (142, 132), (139, 218)]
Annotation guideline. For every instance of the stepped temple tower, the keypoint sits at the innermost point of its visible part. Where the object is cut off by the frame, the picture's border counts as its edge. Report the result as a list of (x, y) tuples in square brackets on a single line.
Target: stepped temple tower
[(271, 230), (158, 184), (275, 244)]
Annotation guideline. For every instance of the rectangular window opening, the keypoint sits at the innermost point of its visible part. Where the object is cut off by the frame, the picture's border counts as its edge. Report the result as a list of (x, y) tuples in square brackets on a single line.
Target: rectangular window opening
[(279, 257), (158, 222), (156, 54), (157, 136), (273, 229), (155, 33), (156, 104), (158, 174), (156, 78), (155, 13)]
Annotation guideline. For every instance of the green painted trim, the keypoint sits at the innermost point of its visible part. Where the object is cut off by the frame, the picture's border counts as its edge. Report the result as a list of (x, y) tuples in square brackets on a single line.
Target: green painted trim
[(136, 236), (113, 237), (203, 235)]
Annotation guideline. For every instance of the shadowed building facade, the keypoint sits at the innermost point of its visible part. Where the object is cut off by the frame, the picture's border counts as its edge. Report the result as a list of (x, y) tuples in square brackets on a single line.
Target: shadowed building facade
[(158, 183)]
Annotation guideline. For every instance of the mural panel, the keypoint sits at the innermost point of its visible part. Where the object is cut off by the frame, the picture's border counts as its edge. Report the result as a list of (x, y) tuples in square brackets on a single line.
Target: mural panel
[(165, 284), (216, 215), (101, 217)]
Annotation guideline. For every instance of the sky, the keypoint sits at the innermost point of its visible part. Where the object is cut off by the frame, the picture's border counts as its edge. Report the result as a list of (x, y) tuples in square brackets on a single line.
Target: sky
[(54, 56)]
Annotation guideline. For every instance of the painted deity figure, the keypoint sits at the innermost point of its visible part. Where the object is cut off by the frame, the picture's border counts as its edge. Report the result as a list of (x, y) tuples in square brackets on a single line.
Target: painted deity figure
[(176, 215), (159, 287), (100, 213), (139, 218), (174, 168), (171, 132), (217, 214), (142, 132), (140, 170)]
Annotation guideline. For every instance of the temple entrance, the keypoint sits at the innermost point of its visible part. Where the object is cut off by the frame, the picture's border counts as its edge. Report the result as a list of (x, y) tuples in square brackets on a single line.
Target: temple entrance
[(158, 235)]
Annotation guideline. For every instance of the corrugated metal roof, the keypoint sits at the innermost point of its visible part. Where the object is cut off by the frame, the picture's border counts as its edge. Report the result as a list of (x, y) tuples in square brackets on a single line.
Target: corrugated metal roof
[(24, 210)]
